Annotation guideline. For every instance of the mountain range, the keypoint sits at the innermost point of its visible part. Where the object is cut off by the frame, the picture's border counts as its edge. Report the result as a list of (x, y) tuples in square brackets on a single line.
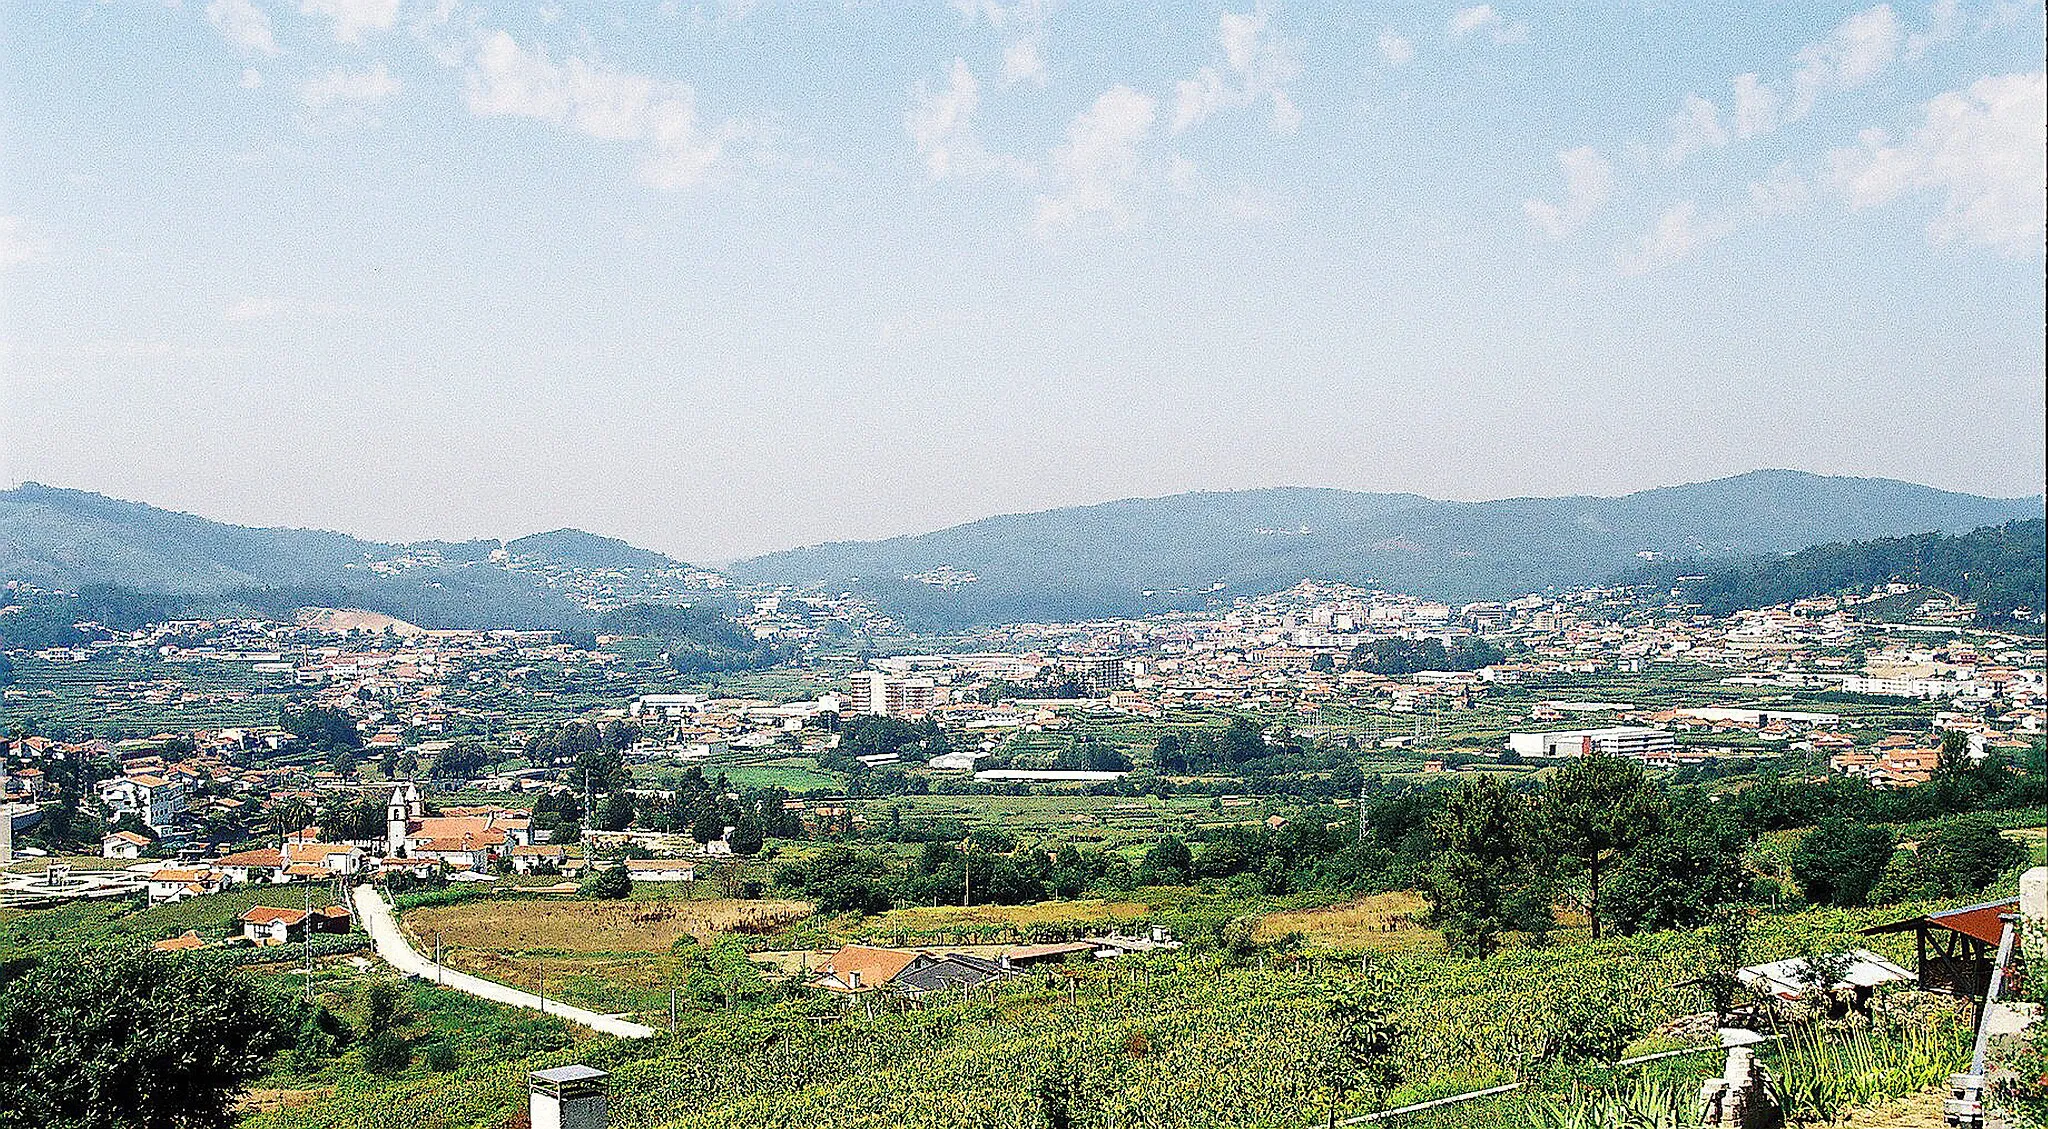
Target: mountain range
[(1152, 554), (1116, 558), (75, 540)]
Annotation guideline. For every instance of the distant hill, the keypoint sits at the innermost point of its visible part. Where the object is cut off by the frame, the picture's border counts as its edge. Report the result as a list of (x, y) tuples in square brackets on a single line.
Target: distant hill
[(2001, 568), (1148, 554), (136, 560), (578, 549)]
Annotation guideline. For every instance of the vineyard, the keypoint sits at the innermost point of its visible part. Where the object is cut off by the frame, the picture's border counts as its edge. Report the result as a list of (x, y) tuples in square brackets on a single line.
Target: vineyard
[(1197, 1042)]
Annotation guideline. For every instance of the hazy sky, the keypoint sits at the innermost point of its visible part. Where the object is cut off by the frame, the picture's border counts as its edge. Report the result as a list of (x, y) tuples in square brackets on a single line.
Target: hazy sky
[(727, 278)]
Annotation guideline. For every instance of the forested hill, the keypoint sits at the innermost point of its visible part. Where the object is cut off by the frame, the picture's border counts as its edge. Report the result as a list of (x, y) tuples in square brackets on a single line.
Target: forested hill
[(130, 564), (2002, 568), (1138, 555)]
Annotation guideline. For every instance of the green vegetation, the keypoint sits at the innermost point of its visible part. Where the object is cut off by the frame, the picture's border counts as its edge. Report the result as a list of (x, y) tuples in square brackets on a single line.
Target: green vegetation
[(2000, 568)]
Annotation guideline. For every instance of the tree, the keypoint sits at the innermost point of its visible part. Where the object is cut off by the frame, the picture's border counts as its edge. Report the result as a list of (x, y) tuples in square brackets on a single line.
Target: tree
[(1595, 808), (1838, 862), (1681, 875), (1481, 884), (611, 883), (1359, 1046), (617, 812), (746, 836), (321, 727), (1965, 856), (133, 1039), (1167, 863)]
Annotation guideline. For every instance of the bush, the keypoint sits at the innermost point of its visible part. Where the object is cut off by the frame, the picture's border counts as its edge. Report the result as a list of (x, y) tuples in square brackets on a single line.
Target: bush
[(611, 883), (1838, 862), (386, 1053), (440, 1057)]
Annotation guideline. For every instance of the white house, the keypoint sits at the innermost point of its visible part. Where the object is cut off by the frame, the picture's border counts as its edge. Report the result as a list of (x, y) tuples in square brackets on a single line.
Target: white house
[(661, 870), (123, 845)]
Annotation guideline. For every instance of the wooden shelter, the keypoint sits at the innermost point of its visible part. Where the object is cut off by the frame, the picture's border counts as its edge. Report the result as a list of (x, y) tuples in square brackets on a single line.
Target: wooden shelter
[(1956, 947)]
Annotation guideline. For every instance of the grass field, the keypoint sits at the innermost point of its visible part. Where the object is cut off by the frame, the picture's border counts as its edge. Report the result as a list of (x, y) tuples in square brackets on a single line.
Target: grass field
[(1379, 922), (584, 926)]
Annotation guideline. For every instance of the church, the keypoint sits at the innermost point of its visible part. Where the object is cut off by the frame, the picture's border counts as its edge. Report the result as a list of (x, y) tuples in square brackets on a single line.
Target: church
[(463, 838)]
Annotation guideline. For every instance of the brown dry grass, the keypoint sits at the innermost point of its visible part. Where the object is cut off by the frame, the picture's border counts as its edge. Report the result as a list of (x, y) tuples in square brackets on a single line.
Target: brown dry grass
[(1919, 1111), (1381, 921), (593, 927)]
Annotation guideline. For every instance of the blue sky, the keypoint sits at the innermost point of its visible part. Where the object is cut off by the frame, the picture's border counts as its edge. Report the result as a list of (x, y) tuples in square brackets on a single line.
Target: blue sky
[(728, 278)]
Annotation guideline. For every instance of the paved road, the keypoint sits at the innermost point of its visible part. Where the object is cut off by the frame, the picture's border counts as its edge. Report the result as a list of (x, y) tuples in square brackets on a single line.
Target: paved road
[(391, 945)]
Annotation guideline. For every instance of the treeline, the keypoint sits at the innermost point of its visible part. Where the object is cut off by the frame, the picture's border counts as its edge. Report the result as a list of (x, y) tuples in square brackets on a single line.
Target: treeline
[(698, 639), (2002, 568), (1495, 854), (1395, 657)]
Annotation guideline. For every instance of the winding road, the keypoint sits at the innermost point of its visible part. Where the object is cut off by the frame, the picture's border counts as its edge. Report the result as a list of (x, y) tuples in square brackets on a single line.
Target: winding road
[(382, 925)]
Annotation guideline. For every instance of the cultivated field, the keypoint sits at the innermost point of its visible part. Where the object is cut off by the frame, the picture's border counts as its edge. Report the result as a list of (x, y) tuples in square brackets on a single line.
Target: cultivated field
[(584, 926), (1381, 921)]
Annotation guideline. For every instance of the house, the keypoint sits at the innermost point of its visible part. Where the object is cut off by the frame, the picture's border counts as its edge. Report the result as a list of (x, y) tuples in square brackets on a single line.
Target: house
[(175, 884), (124, 845), (153, 799), (532, 860), (954, 972), (860, 968), (271, 925), (661, 870), (336, 858), (182, 943), (261, 865)]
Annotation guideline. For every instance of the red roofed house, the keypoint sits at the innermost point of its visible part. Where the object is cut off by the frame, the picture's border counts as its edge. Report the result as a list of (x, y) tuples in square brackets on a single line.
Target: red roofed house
[(124, 845), (859, 968)]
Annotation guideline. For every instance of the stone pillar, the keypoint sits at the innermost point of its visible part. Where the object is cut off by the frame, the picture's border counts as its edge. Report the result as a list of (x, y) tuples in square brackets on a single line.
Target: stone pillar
[(2034, 913), (567, 1097)]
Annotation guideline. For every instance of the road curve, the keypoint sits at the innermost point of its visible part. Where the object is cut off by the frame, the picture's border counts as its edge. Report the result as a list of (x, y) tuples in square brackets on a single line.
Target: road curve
[(382, 924)]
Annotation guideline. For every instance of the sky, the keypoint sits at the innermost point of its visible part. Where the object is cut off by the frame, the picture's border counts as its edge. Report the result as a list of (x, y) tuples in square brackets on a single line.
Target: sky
[(726, 278)]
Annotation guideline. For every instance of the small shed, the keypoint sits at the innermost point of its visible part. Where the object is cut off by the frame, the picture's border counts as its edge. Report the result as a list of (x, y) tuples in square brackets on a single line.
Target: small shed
[(1786, 979), (1956, 946)]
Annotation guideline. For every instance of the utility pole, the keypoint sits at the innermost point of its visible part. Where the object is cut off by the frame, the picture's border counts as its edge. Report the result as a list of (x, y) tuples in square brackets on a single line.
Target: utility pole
[(540, 984), (437, 957), (966, 869), (306, 936), (672, 1011)]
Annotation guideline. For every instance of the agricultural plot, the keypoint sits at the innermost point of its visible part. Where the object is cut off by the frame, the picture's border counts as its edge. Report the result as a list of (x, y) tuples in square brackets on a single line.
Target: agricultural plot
[(1193, 1041)]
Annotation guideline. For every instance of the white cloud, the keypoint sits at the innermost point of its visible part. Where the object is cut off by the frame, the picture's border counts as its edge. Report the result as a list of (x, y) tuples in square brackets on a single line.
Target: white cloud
[(1257, 63), (1756, 107), (353, 17), (1695, 127), (1679, 232), (243, 24), (1588, 182), (941, 125), (505, 79), (1484, 19), (1024, 55), (342, 85), (20, 245), (1397, 49), (1978, 149), (1781, 192), (1858, 50), (1024, 61), (251, 78), (1942, 19), (1099, 163)]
